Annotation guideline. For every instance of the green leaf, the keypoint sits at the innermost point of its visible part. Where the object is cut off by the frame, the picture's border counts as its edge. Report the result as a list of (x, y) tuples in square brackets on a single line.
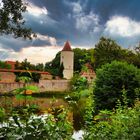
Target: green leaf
[(32, 88)]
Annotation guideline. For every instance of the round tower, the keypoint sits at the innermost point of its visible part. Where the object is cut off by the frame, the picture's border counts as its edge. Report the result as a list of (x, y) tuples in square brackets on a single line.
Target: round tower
[(67, 58)]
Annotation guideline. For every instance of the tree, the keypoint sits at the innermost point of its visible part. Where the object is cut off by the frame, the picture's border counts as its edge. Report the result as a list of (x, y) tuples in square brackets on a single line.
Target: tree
[(137, 55), (112, 80), (53, 66), (4, 65), (11, 19), (106, 51), (82, 56), (61, 69), (39, 67), (25, 65)]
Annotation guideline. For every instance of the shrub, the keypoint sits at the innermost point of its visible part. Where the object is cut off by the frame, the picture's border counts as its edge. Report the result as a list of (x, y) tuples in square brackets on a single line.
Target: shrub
[(78, 83), (80, 101), (111, 81), (122, 124)]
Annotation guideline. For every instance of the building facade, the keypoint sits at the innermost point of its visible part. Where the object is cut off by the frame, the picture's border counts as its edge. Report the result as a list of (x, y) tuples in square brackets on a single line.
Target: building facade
[(67, 58)]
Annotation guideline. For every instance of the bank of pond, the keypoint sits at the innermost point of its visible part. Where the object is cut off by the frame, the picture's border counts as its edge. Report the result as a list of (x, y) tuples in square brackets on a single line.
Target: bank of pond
[(51, 117), (42, 103)]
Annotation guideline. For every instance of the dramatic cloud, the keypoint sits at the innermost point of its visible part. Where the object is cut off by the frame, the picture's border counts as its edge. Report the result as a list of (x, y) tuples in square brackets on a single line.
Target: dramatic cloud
[(35, 10), (85, 22), (82, 22), (122, 26), (46, 38)]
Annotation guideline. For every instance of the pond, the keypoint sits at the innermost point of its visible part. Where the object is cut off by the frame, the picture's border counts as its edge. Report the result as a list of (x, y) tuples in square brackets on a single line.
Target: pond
[(43, 103)]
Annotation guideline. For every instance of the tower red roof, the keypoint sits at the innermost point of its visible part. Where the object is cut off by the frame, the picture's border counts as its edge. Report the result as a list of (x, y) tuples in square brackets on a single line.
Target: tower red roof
[(67, 47)]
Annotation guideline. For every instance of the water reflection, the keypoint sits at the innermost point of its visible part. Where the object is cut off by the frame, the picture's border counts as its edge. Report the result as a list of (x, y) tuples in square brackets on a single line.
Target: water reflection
[(42, 102)]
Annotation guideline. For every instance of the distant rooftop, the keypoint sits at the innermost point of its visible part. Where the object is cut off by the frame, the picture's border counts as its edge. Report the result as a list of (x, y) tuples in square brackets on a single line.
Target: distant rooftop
[(67, 47), (11, 70), (10, 62)]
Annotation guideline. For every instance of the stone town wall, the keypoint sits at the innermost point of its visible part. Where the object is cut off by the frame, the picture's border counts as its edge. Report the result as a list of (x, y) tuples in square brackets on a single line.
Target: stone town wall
[(43, 85), (7, 77)]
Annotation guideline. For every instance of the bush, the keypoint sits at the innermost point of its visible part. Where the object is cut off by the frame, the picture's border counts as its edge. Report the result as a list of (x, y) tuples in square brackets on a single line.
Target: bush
[(122, 124), (112, 80), (80, 101), (78, 83)]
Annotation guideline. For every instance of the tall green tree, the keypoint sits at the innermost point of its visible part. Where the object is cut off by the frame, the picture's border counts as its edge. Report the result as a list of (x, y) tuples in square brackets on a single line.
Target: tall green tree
[(82, 56), (106, 51), (11, 19)]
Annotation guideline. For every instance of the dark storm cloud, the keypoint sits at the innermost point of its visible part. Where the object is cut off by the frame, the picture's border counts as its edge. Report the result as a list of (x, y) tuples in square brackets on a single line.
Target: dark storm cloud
[(8, 42), (107, 8), (83, 26)]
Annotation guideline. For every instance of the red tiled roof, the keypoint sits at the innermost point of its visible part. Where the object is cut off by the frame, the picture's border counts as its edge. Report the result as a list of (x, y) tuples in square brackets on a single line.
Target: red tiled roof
[(88, 66), (67, 47), (10, 62), (11, 70)]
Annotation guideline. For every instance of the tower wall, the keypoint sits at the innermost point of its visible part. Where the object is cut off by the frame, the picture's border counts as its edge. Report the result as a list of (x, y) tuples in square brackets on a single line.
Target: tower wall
[(67, 58)]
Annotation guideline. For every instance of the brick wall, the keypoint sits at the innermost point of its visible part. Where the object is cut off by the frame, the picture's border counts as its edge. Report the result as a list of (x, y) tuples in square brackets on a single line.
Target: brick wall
[(7, 77)]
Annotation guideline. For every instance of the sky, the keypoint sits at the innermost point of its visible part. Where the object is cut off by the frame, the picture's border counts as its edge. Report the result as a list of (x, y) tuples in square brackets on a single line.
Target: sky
[(82, 22)]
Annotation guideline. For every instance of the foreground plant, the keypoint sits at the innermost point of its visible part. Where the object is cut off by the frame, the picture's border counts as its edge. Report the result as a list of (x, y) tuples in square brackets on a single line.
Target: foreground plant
[(25, 125), (121, 124)]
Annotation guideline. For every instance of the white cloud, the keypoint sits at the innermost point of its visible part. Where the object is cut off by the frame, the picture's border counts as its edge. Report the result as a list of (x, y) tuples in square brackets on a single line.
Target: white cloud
[(122, 26), (85, 21), (1, 4), (35, 54), (49, 39), (35, 10), (77, 8)]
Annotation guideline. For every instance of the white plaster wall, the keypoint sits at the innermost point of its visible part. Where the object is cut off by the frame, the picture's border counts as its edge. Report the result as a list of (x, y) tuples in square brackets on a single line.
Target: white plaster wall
[(67, 57)]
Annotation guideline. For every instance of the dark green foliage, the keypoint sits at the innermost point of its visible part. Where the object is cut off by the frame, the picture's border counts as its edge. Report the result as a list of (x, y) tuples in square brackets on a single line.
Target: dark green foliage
[(122, 124), (106, 51), (34, 76), (82, 56), (110, 81), (78, 83), (53, 66), (80, 101), (26, 65), (61, 69), (39, 67), (4, 65), (11, 19)]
